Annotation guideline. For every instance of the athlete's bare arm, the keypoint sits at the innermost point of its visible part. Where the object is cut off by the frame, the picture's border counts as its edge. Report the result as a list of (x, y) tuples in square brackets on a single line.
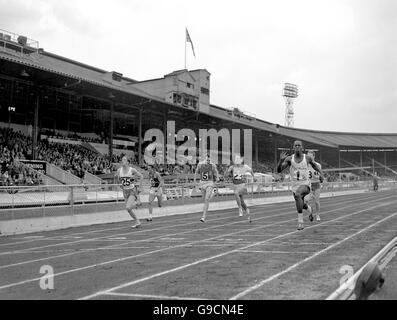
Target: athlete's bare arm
[(252, 173), (197, 172), (140, 175), (284, 162), (117, 177), (161, 180), (216, 173), (229, 172)]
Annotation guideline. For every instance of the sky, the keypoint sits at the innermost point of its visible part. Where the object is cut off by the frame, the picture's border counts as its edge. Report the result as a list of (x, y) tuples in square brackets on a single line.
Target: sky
[(342, 54)]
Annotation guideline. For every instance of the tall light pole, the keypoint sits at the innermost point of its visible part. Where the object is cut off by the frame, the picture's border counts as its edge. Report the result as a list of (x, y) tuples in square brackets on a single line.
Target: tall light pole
[(290, 93)]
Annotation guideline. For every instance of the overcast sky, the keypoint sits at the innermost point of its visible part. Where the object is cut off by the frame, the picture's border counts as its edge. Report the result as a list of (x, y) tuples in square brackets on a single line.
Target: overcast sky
[(341, 53)]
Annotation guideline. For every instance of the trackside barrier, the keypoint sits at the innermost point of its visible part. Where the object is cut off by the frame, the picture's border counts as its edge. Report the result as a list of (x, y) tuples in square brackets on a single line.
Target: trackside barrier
[(62, 175), (89, 178), (18, 202)]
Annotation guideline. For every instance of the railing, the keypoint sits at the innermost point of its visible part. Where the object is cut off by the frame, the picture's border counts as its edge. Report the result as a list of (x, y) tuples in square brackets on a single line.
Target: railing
[(42, 201), (89, 178), (46, 179), (62, 175)]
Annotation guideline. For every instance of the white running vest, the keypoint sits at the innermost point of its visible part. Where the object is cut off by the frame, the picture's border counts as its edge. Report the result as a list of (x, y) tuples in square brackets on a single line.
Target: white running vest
[(314, 176), (299, 173), (127, 179)]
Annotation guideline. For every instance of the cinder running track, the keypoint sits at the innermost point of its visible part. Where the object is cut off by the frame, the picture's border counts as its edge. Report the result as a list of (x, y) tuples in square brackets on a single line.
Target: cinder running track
[(226, 258)]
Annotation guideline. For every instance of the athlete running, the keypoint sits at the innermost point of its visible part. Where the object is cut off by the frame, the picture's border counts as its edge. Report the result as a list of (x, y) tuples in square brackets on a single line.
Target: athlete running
[(208, 176), (239, 172), (315, 180), (129, 178), (299, 172), (156, 190)]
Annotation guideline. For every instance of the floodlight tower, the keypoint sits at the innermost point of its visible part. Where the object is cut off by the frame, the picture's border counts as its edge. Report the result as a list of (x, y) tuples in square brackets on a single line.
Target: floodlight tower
[(290, 93)]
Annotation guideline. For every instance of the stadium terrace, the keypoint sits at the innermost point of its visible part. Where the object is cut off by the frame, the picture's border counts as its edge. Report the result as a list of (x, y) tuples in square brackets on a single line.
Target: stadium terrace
[(57, 105)]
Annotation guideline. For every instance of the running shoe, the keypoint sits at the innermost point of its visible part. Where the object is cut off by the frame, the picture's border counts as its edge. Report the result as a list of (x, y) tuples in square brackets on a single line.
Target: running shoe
[(301, 226), (202, 220)]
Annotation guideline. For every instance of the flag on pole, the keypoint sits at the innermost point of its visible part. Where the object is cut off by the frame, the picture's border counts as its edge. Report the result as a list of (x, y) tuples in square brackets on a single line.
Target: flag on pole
[(188, 39)]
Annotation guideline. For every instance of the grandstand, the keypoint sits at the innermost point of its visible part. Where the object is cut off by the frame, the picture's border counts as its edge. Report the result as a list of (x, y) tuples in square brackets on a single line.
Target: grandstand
[(54, 105), (64, 127)]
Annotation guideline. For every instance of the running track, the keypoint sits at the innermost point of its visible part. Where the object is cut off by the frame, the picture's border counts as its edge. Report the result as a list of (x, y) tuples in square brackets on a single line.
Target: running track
[(225, 258)]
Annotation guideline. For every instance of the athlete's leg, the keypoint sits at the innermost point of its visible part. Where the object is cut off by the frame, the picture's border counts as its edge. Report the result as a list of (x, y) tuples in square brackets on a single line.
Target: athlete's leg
[(245, 207), (317, 203), (131, 205), (207, 198), (299, 196), (151, 200), (160, 199), (243, 204), (239, 204)]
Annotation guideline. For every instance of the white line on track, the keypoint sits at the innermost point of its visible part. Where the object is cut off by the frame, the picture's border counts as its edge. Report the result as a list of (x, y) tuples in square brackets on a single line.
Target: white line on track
[(147, 239), (151, 296), (263, 282), (253, 210), (189, 231), (186, 245), (147, 253), (195, 221), (174, 219), (166, 227), (128, 284), (274, 251)]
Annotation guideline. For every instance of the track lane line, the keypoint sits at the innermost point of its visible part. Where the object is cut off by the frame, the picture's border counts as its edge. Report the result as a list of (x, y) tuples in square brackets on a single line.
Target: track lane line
[(159, 237), (190, 243), (149, 230), (287, 203), (263, 282), (128, 284)]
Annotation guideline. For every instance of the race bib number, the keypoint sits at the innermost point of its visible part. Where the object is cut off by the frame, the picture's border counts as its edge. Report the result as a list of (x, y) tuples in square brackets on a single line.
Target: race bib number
[(205, 176), (299, 176), (238, 176), (127, 182), (313, 174)]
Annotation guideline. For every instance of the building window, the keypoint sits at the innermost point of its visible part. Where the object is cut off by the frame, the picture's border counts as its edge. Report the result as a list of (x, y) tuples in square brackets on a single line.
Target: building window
[(177, 98), (205, 91), (189, 85)]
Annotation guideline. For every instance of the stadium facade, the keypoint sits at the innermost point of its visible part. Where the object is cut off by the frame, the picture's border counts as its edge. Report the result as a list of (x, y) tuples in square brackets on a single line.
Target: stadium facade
[(42, 91)]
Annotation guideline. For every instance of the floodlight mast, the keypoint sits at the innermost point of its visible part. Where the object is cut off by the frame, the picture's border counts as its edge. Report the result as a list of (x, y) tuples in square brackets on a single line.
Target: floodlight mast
[(290, 93)]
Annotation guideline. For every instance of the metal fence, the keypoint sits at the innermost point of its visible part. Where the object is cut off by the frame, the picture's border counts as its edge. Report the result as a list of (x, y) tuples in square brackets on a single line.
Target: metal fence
[(48, 201)]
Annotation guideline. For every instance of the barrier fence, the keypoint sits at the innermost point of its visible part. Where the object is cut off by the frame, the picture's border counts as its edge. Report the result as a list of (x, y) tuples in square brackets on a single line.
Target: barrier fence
[(41, 201)]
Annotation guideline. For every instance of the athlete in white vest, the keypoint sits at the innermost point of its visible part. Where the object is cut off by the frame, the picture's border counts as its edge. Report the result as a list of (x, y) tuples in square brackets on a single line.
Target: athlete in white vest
[(208, 177), (316, 181), (300, 181), (239, 172), (130, 179)]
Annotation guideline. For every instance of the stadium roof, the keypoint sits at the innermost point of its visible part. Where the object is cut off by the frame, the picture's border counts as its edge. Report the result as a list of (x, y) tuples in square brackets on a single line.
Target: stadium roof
[(71, 69), (345, 139), (323, 138)]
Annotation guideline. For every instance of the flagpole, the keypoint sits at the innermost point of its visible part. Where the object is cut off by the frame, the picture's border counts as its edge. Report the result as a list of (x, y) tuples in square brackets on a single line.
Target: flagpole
[(185, 47)]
